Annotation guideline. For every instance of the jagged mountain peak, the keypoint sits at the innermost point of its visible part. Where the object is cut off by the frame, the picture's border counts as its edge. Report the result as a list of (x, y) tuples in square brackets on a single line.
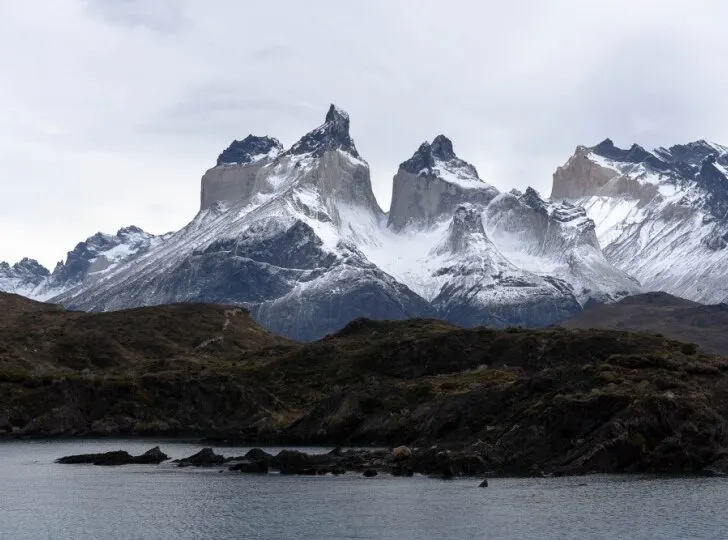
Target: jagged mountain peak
[(250, 150), (26, 267), (336, 114), (531, 197), (694, 153), (333, 134), (659, 216), (31, 266), (635, 153), (433, 183), (439, 159), (441, 148), (23, 276)]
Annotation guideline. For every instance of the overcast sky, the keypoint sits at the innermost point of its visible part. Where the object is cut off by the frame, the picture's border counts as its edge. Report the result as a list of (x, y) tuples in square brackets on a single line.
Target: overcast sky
[(111, 110)]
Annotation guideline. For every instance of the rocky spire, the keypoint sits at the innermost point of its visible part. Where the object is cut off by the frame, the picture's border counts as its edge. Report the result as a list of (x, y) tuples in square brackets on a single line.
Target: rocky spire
[(442, 148), (332, 135)]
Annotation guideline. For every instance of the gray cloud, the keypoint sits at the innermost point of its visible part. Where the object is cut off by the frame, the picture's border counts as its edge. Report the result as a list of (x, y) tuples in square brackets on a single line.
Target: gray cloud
[(158, 15), (112, 110)]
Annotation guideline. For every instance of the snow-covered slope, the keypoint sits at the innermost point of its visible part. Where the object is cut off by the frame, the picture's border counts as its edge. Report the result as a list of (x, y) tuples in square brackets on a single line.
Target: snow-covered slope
[(660, 216), (556, 240), (94, 259), (296, 236), (436, 244)]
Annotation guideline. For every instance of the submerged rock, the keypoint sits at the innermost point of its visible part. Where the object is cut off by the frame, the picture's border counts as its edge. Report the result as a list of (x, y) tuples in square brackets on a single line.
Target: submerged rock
[(254, 467), (204, 457)]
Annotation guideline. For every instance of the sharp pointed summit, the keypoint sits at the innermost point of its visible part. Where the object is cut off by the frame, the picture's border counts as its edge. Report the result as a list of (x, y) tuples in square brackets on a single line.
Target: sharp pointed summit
[(333, 134), (441, 148)]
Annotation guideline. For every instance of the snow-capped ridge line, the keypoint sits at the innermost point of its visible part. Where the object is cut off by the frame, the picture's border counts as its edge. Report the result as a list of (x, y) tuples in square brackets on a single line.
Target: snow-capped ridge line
[(296, 236)]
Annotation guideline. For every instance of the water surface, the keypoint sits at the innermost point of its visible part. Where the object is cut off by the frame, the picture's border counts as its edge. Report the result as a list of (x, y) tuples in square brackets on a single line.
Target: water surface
[(41, 499)]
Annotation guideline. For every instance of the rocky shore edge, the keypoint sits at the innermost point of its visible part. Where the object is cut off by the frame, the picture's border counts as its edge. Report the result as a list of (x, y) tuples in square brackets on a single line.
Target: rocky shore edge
[(400, 461)]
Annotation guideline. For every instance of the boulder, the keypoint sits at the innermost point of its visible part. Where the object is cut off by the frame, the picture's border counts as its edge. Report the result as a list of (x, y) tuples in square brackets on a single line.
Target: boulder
[(369, 473), (401, 453), (258, 455), (296, 462)]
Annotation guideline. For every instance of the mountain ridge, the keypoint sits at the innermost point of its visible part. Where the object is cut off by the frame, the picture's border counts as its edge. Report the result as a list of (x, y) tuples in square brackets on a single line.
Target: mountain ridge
[(297, 237), (660, 216)]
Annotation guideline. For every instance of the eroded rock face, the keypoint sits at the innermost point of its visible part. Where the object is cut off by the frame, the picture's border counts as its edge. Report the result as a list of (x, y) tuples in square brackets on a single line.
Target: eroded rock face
[(237, 175), (432, 184), (231, 183), (580, 176)]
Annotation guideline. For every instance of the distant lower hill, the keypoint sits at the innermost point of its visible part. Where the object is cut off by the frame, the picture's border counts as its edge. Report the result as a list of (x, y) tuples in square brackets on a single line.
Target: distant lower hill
[(45, 338), (661, 313)]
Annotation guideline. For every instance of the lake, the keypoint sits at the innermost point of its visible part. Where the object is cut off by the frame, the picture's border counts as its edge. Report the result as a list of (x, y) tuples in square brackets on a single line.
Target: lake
[(44, 500)]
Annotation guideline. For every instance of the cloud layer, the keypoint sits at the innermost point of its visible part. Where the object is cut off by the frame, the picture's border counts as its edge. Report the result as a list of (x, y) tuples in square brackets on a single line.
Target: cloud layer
[(113, 109)]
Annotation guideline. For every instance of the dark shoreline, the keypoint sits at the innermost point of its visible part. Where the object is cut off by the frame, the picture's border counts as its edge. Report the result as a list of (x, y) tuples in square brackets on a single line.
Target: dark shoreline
[(515, 401)]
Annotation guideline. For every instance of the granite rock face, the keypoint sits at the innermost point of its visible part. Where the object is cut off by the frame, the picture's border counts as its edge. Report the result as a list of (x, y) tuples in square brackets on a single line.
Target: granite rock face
[(432, 184), (236, 176)]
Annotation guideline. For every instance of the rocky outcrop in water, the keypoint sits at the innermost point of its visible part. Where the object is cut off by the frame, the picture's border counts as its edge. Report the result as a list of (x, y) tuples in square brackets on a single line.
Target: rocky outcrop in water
[(154, 456)]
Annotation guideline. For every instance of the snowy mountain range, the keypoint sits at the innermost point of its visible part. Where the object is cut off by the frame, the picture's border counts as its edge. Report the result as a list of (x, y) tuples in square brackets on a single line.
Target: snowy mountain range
[(661, 216), (296, 236)]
